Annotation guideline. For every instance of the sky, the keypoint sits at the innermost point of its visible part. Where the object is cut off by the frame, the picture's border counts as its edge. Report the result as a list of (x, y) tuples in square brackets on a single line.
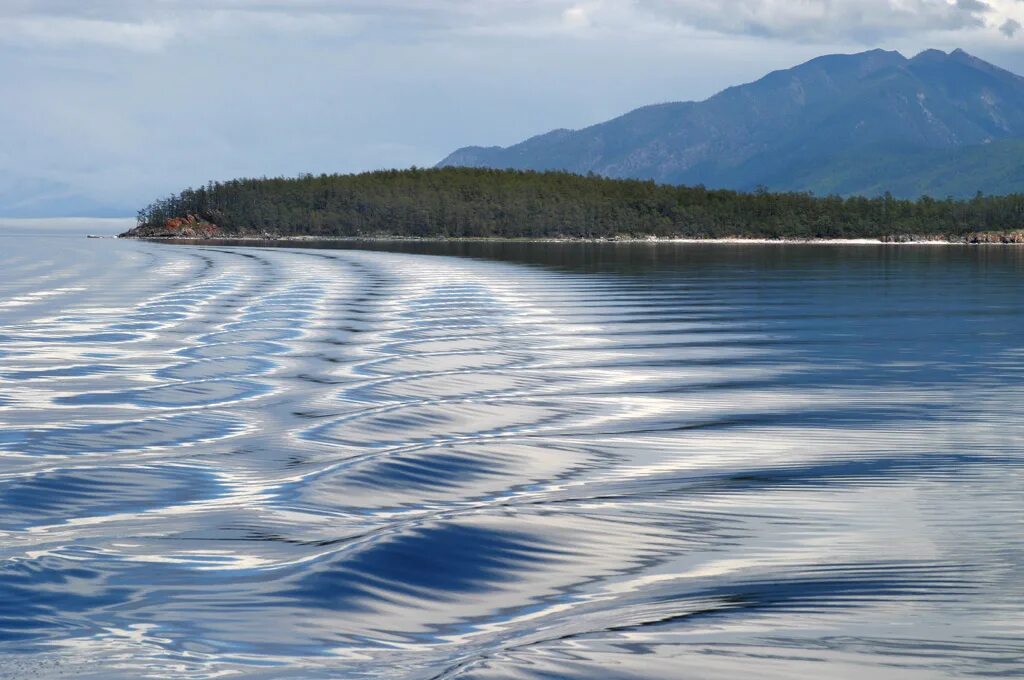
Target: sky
[(112, 103)]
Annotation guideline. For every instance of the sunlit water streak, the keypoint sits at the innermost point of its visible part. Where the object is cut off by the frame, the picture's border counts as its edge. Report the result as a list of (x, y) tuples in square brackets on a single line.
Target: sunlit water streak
[(542, 462)]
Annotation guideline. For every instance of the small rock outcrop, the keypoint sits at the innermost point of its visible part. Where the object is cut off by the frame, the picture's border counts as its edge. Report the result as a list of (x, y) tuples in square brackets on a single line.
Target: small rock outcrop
[(996, 237), (176, 227)]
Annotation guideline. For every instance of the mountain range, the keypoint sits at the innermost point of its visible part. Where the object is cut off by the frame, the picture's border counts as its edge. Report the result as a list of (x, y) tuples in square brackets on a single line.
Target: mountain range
[(939, 124)]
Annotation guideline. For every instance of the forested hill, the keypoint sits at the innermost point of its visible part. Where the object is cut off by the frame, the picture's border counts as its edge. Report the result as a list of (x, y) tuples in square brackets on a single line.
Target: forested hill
[(472, 202)]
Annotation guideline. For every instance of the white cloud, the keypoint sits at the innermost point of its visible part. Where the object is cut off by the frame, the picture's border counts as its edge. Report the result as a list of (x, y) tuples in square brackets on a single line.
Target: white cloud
[(152, 24), (576, 17), (865, 21), (118, 101), (67, 31)]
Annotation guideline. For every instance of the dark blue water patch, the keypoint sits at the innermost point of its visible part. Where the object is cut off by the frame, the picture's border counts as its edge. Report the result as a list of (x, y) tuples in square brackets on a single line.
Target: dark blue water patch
[(50, 597), (430, 470), (216, 368), (436, 563), (415, 472), (840, 416), (175, 395), (834, 587), (89, 438), (61, 372), (54, 497)]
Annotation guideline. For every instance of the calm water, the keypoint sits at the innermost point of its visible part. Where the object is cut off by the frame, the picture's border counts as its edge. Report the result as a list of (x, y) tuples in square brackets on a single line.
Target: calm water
[(538, 461)]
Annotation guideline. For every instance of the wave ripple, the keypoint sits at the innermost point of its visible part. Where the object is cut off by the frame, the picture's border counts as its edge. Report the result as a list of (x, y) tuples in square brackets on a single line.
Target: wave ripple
[(641, 461)]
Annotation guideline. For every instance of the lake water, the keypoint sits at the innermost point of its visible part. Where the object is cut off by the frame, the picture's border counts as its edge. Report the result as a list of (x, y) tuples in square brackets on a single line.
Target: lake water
[(530, 461)]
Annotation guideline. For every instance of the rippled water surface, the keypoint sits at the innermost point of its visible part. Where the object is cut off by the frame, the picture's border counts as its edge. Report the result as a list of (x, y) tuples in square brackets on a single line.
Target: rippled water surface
[(530, 461)]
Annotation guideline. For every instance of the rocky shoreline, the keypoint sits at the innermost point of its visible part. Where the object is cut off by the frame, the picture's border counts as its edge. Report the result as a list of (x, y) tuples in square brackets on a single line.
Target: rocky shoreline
[(203, 231)]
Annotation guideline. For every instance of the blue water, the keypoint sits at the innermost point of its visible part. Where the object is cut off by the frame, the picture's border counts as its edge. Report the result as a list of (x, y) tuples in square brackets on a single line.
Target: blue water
[(510, 461)]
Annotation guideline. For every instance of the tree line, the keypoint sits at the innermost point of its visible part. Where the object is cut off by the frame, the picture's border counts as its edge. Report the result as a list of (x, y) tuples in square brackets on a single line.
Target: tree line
[(476, 202)]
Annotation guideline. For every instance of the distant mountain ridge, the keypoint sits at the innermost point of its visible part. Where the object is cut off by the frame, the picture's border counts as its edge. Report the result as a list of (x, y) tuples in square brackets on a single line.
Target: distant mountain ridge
[(938, 124)]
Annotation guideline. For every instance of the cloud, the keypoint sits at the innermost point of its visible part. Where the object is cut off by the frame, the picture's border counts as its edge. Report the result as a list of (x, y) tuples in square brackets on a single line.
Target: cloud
[(576, 17), (147, 24), (151, 25), (60, 31), (118, 101), (865, 21), (973, 6)]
